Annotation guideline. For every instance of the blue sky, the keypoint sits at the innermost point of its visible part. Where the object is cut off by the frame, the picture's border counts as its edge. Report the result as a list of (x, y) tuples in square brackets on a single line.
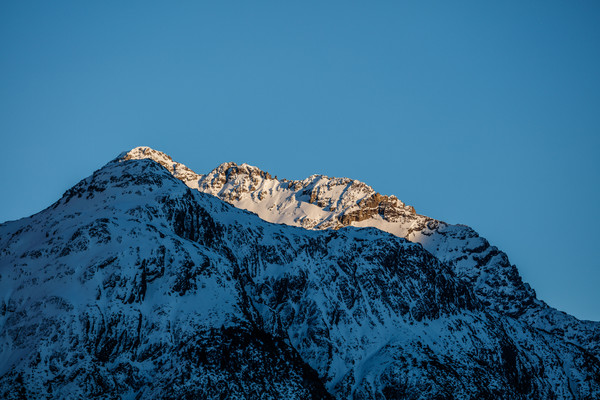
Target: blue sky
[(480, 113)]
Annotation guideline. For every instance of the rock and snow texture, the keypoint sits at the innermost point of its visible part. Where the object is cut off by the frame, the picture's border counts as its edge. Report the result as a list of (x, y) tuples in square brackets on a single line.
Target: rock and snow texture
[(134, 285)]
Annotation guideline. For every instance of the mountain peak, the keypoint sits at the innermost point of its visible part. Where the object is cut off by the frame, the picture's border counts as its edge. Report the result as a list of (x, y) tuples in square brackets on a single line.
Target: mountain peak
[(145, 152), (178, 170)]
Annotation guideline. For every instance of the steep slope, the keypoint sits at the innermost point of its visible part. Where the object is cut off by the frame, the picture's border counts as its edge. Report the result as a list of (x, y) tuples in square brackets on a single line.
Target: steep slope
[(320, 202), (134, 285)]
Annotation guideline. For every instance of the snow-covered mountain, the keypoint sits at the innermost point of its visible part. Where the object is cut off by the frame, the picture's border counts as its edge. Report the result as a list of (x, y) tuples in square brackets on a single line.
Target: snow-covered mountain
[(141, 282)]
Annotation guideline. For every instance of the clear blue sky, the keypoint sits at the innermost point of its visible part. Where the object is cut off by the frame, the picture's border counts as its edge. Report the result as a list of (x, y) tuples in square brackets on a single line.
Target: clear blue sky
[(482, 113)]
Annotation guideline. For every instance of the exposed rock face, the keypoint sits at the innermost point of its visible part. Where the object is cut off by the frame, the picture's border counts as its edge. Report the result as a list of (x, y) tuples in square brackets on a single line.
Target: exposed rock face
[(388, 208), (133, 285)]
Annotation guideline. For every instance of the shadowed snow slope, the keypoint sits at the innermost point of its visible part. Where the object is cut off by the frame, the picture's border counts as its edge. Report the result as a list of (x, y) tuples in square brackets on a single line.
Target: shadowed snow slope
[(134, 285)]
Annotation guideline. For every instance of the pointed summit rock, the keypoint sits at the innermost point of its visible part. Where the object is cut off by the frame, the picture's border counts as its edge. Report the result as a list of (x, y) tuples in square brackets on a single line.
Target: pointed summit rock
[(178, 170)]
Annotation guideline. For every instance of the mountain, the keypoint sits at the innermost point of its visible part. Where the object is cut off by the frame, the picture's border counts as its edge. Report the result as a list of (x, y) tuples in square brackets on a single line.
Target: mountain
[(146, 280)]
